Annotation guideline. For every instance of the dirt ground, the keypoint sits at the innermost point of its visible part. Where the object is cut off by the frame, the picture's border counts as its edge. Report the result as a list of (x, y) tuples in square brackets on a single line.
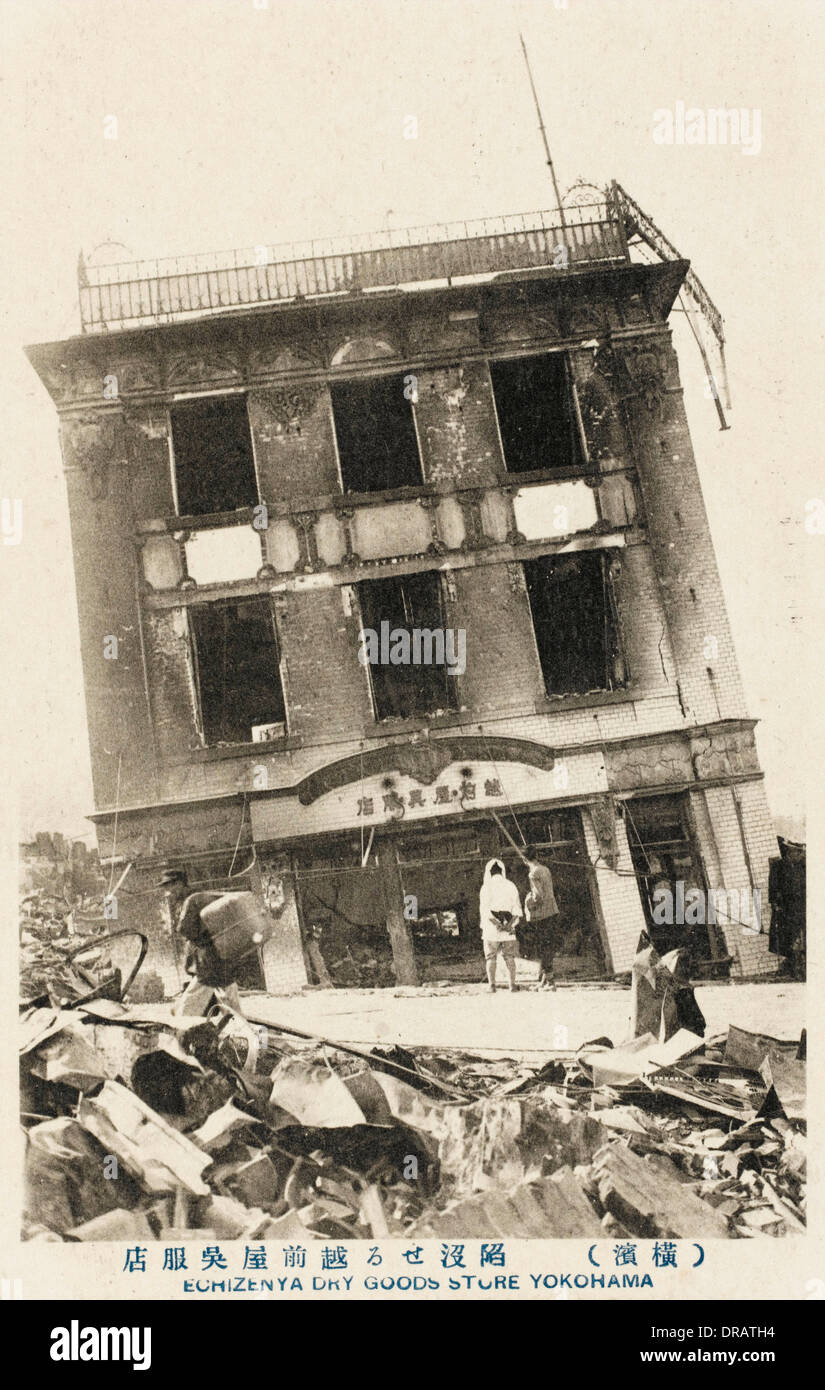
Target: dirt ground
[(504, 1024)]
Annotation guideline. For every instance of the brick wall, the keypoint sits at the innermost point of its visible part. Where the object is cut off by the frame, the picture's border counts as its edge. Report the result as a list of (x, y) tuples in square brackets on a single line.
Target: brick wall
[(683, 550), (147, 440), (326, 688), (456, 422), (619, 900), (643, 630), (283, 956), (95, 451), (720, 838), (172, 681), (294, 442), (502, 665)]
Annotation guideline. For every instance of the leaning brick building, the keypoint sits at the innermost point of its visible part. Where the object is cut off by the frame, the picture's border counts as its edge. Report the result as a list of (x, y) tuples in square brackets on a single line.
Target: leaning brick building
[(479, 428)]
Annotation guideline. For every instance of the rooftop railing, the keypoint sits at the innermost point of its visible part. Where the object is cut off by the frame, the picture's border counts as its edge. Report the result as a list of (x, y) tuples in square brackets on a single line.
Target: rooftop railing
[(162, 291)]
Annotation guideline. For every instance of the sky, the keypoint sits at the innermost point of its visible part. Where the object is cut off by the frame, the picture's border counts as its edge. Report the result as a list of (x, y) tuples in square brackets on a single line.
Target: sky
[(241, 123)]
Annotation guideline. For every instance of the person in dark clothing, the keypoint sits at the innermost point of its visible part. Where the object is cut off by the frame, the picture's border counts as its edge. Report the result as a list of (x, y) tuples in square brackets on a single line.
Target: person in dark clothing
[(786, 892), (212, 975), (541, 911)]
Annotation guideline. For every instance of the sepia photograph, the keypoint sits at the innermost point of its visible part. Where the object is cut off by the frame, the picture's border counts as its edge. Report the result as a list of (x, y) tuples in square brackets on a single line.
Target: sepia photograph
[(410, 683)]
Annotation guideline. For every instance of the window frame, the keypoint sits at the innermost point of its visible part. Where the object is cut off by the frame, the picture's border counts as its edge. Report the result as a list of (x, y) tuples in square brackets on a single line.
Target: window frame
[(444, 711), (584, 467), (190, 398), (263, 599), (364, 379), (611, 613)]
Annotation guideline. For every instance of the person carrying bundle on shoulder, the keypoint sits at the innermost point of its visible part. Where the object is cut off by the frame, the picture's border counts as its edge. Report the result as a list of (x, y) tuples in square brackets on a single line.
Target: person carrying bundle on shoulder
[(213, 975)]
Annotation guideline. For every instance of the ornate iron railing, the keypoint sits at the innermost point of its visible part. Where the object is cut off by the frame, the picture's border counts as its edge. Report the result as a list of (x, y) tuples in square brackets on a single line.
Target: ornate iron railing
[(140, 292)]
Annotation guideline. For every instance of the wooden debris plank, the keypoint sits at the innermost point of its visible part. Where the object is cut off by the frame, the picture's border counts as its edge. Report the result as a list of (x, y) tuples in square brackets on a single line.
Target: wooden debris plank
[(652, 1200)]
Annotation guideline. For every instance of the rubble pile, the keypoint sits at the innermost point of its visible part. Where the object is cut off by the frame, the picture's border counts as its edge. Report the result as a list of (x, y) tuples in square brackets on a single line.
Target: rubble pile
[(142, 1125), (69, 950), (51, 932), (69, 942)]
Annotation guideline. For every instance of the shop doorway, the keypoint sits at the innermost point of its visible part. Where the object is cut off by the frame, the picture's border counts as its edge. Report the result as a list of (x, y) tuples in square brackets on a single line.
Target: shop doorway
[(343, 916), (433, 874), (665, 855), (441, 871)]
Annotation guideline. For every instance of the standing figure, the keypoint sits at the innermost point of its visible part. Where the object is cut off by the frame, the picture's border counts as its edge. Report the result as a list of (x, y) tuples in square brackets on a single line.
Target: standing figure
[(212, 975), (540, 909), (499, 910)]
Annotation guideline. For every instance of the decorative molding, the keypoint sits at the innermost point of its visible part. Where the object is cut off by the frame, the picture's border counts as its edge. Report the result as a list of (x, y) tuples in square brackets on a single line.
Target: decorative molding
[(724, 752), (277, 358), (90, 443), (430, 503), (308, 559), (364, 349), (139, 373), (470, 501), (202, 369), (289, 406), (583, 316), (345, 515), (641, 365), (603, 814)]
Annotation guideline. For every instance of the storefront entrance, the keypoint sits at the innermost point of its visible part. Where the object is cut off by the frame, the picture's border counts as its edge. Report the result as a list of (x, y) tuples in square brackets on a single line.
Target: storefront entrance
[(425, 883)]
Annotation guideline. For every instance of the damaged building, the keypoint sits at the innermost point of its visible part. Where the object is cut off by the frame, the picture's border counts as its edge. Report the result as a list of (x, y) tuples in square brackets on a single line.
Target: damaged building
[(476, 429)]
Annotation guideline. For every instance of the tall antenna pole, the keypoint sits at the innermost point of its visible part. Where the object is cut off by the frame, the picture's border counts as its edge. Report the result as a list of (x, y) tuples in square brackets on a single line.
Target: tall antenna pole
[(543, 134)]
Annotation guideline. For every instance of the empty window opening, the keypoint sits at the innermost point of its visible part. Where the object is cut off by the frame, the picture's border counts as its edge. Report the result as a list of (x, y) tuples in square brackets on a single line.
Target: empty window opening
[(239, 678), (377, 443), (406, 603), (212, 446), (536, 414), (574, 619)]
